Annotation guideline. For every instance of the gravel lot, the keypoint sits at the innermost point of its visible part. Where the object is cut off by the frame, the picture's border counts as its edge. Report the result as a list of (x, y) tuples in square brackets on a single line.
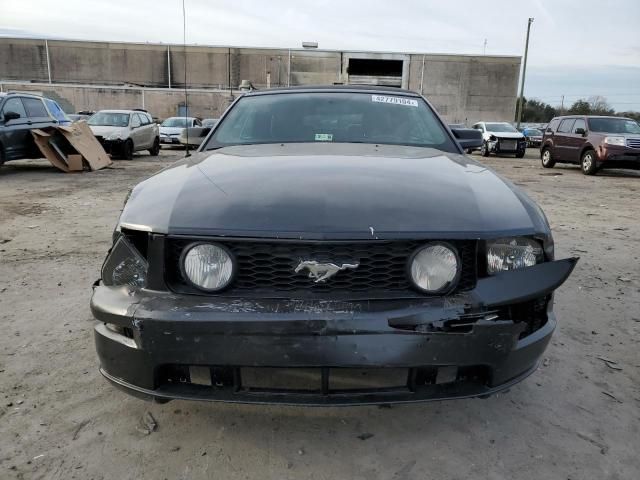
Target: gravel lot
[(578, 417)]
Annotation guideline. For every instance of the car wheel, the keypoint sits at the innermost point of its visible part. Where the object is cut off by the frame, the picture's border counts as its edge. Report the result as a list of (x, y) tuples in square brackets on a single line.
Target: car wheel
[(547, 159), (588, 163), (469, 151), (484, 150), (127, 150), (520, 154), (155, 150)]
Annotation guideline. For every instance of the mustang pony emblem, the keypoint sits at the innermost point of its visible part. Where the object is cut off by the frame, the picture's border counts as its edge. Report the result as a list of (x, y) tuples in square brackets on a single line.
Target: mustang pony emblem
[(322, 271)]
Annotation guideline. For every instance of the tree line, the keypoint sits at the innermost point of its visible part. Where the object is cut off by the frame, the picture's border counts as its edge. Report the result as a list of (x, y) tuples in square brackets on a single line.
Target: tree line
[(536, 111)]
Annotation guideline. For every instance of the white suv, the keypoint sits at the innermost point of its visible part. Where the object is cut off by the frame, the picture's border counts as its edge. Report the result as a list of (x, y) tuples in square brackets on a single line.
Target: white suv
[(122, 132), (501, 137)]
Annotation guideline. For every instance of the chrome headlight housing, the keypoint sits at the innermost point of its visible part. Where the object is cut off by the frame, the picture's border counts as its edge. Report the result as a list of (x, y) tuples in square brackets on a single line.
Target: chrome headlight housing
[(435, 268), (512, 253), (207, 266)]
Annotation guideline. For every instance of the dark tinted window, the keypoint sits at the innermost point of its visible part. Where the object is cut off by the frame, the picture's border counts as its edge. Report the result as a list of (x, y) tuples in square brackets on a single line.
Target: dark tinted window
[(579, 124), (565, 125), (553, 125), (340, 117), (34, 107), (614, 125), (14, 105)]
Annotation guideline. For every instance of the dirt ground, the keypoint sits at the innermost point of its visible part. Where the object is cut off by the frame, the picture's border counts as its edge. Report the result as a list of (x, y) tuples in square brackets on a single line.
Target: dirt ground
[(577, 417)]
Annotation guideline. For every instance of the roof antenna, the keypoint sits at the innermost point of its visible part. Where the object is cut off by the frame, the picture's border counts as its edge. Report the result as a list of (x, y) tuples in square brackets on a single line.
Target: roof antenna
[(186, 94)]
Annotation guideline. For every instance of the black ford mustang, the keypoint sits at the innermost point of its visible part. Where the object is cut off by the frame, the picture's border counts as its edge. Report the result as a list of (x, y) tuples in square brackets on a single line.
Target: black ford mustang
[(327, 246)]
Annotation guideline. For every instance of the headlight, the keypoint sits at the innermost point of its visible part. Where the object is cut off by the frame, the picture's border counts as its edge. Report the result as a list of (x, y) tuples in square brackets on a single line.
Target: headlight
[(124, 265), (435, 268), (492, 138), (207, 266), (512, 253), (620, 141), (113, 136)]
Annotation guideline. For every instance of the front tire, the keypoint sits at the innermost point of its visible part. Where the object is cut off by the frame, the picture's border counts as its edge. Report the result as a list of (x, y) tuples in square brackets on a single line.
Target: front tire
[(484, 150), (155, 150), (588, 162), (127, 150), (547, 159)]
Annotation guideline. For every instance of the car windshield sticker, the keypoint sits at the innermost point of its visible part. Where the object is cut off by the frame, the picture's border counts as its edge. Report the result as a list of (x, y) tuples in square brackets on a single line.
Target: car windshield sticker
[(324, 137), (408, 102)]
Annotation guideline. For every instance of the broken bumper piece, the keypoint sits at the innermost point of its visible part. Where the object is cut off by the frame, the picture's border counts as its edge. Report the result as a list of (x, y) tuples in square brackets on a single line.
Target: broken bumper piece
[(165, 346)]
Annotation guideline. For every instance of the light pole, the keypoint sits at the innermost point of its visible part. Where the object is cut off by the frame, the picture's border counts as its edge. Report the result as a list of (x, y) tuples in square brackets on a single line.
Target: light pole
[(524, 72)]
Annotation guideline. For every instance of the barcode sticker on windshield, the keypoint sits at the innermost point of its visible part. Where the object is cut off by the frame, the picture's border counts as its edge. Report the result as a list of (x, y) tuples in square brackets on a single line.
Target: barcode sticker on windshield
[(324, 137), (409, 102)]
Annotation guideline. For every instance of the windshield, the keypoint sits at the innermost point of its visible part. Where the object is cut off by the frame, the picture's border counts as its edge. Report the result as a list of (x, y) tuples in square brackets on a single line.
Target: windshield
[(500, 127), (180, 122), (109, 119), (343, 117), (613, 125), (533, 132)]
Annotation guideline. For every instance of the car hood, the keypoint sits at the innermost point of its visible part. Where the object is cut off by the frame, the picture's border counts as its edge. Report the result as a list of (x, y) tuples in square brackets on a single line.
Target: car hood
[(170, 130), (106, 130), (504, 134), (318, 191)]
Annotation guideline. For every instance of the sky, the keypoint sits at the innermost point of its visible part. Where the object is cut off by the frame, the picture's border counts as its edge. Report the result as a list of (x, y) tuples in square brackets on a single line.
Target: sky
[(577, 48)]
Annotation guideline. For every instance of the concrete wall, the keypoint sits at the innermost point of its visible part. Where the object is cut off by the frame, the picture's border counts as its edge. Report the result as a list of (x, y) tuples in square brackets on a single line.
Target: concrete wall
[(462, 87), (161, 103)]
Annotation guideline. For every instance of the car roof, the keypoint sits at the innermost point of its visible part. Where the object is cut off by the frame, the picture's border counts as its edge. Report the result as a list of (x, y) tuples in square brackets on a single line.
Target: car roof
[(334, 88), (590, 116), (118, 111), (21, 94)]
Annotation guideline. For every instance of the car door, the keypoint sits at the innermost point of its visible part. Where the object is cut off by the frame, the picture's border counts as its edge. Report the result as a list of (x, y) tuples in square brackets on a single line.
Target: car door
[(576, 140), (14, 132), (136, 133), (146, 132), (562, 140)]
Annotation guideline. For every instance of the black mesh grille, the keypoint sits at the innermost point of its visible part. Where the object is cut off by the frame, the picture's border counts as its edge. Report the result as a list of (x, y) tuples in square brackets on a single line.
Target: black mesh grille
[(267, 268)]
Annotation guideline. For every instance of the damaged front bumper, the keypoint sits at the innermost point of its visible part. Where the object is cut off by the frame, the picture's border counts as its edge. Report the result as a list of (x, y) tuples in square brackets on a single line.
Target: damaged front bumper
[(165, 346)]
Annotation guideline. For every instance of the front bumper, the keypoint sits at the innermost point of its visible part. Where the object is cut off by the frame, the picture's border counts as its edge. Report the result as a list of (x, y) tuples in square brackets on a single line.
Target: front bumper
[(612, 156), (507, 146), (112, 147), (437, 348), (167, 140)]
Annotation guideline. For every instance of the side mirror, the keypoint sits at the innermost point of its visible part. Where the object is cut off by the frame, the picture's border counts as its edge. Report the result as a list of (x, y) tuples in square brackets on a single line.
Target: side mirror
[(468, 137), (11, 116), (580, 131)]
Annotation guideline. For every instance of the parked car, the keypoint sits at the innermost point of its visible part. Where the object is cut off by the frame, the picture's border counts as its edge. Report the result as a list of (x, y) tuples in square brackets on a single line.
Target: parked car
[(533, 136), (123, 132), (19, 114), (171, 129), (501, 138), (76, 117), (209, 122), (593, 142), (194, 136), (328, 245)]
